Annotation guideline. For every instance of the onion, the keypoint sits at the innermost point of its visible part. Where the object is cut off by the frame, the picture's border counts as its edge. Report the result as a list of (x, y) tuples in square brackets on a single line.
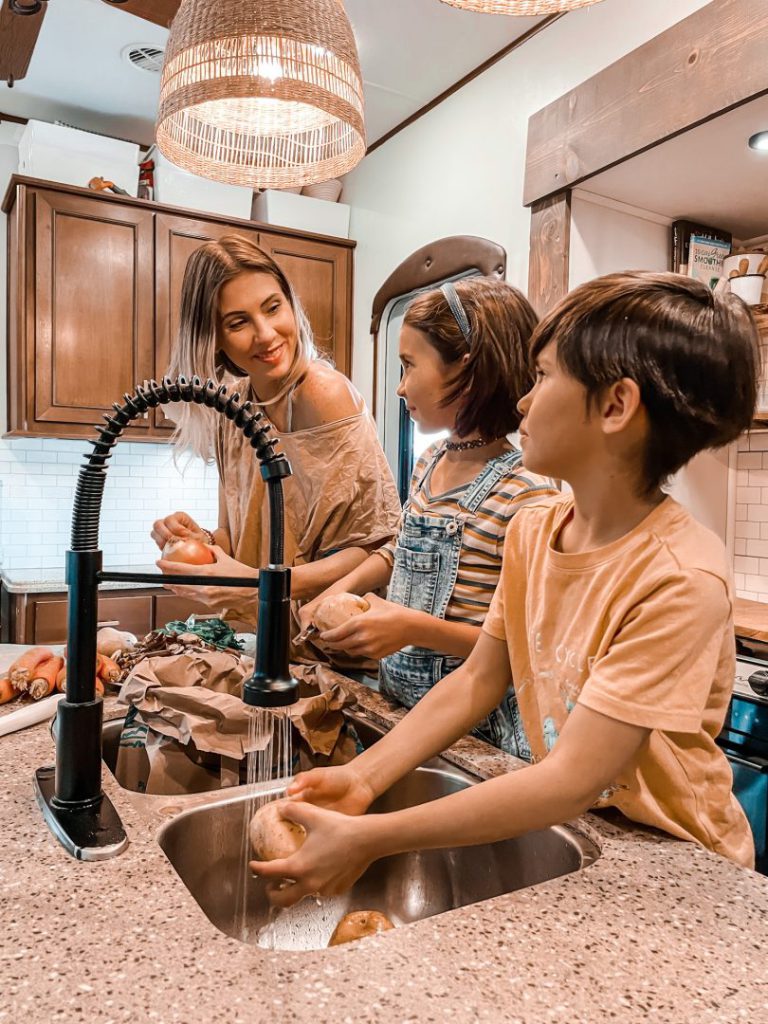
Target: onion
[(186, 549)]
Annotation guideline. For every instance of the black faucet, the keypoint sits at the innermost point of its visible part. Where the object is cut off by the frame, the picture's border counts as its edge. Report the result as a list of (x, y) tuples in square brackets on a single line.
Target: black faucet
[(75, 808)]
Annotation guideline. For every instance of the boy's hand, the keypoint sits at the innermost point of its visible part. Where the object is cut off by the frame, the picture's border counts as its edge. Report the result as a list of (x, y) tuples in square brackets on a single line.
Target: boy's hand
[(339, 788), (335, 854), (385, 628)]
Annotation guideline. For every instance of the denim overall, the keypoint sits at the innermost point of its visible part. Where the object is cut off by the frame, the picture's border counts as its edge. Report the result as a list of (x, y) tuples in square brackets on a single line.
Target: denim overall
[(423, 578)]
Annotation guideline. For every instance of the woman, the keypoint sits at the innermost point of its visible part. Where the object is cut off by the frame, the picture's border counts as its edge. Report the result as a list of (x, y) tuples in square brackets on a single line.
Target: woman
[(464, 351), (242, 323)]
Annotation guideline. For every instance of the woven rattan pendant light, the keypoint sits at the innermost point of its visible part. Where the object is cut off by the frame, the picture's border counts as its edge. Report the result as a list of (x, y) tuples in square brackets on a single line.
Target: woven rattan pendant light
[(520, 7), (263, 93)]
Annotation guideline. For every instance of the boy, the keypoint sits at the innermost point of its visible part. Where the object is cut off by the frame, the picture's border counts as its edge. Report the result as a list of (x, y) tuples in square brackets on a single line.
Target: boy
[(613, 614)]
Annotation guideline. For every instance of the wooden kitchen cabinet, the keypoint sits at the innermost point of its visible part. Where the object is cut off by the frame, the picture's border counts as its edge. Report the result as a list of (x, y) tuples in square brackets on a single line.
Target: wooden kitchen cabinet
[(176, 238), (41, 618), (94, 288), (81, 312), (322, 277)]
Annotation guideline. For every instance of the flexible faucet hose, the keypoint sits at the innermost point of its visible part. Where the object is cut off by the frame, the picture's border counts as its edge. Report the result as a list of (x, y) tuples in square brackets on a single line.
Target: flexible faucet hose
[(254, 425)]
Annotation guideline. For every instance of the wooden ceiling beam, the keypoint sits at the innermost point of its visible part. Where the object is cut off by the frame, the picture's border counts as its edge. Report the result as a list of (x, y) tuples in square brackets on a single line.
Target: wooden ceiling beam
[(160, 12), (18, 35)]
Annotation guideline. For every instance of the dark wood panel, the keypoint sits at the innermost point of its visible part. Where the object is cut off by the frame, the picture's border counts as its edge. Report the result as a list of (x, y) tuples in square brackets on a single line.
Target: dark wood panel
[(160, 12), (18, 37), (171, 608), (94, 307), (48, 616), (549, 252), (176, 238), (706, 64), (321, 275)]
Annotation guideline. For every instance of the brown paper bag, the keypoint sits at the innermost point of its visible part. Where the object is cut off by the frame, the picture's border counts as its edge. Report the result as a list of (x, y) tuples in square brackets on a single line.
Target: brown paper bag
[(191, 707)]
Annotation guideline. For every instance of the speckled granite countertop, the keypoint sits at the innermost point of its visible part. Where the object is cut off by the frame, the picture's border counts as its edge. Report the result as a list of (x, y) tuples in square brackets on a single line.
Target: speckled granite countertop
[(656, 930), (49, 581)]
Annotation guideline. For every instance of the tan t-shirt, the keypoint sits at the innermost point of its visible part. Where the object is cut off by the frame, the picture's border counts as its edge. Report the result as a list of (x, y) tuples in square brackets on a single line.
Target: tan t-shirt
[(640, 631)]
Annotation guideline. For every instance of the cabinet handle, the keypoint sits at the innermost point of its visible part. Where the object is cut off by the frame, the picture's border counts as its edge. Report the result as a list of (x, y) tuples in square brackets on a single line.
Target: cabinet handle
[(108, 622)]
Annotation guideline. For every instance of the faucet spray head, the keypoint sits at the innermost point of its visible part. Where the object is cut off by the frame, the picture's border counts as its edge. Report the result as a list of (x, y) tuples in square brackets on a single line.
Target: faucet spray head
[(271, 685)]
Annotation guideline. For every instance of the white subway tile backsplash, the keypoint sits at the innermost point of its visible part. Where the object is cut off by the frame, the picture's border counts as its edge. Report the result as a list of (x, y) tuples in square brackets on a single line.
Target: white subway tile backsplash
[(757, 513), (748, 495), (758, 441), (749, 460), (746, 565), (37, 486)]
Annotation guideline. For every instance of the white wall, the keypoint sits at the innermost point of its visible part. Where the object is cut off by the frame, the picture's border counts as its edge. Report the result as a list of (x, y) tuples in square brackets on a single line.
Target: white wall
[(459, 169)]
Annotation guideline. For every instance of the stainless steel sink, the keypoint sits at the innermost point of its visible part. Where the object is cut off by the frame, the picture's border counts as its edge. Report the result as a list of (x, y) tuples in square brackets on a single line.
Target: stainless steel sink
[(206, 847), (202, 773)]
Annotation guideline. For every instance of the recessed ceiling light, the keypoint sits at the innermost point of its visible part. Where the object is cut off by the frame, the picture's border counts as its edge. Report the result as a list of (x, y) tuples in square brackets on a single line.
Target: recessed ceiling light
[(759, 141)]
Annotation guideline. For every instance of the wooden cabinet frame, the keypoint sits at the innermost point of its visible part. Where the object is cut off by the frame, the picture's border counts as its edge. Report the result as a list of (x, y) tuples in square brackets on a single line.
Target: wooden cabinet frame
[(703, 66), (33, 206)]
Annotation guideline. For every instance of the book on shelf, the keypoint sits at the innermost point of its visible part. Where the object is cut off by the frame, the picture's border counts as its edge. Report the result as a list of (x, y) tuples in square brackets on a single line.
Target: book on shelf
[(681, 233), (705, 259)]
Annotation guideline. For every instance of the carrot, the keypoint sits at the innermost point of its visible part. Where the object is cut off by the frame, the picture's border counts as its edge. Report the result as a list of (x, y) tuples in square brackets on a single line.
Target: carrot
[(44, 678), (107, 669), (7, 690), (22, 670), (61, 679), (61, 683)]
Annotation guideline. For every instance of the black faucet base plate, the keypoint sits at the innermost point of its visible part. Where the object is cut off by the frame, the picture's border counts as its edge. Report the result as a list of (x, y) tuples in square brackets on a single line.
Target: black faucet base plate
[(90, 833)]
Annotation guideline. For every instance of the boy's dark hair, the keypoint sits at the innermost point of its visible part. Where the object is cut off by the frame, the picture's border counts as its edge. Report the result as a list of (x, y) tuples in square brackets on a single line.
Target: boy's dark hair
[(693, 353), (498, 372)]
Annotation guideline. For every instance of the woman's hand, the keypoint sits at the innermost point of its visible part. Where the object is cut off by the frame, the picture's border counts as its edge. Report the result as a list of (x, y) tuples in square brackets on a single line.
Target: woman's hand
[(177, 525), (385, 628), (341, 788), (334, 855), (214, 597)]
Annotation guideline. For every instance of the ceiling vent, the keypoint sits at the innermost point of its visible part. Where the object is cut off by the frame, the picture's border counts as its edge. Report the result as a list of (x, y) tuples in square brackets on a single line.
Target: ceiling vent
[(145, 57)]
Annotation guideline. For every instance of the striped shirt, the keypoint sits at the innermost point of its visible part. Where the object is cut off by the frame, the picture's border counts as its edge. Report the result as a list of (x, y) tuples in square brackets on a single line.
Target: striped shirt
[(483, 536)]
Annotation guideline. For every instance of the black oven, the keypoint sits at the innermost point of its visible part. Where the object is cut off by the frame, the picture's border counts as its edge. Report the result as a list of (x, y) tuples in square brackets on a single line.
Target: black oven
[(744, 739)]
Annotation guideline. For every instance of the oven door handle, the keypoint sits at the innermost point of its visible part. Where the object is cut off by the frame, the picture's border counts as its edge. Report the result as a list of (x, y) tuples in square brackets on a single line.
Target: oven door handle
[(756, 766)]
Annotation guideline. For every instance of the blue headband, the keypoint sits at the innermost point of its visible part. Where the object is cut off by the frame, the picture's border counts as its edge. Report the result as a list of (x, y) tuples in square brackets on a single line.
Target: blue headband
[(460, 315)]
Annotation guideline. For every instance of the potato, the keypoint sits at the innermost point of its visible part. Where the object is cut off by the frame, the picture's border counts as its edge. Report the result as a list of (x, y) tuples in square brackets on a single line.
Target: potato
[(337, 609), (272, 836), (358, 925)]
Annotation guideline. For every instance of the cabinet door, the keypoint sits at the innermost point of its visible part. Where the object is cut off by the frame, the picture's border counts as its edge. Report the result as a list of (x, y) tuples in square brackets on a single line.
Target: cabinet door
[(49, 616), (321, 274), (176, 238), (93, 309)]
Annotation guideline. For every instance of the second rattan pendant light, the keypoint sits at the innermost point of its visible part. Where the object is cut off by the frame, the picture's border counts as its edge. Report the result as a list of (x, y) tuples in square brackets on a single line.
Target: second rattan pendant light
[(263, 93), (520, 7)]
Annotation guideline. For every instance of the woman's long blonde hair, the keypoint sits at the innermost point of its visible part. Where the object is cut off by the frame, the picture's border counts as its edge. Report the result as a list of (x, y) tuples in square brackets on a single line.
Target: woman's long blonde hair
[(195, 350)]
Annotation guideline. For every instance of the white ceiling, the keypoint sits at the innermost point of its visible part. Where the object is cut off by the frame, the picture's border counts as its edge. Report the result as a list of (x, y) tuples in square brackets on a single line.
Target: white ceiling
[(410, 51), (708, 174)]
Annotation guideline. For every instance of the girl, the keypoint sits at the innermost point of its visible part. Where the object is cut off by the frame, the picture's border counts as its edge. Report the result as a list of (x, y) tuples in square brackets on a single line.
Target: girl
[(464, 351), (241, 322)]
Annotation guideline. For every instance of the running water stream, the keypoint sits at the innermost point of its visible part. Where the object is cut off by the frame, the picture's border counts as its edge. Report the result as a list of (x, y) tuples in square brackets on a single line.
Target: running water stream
[(269, 760)]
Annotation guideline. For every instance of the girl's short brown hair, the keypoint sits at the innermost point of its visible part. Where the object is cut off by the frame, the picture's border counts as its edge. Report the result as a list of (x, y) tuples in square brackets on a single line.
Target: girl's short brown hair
[(497, 373), (692, 353)]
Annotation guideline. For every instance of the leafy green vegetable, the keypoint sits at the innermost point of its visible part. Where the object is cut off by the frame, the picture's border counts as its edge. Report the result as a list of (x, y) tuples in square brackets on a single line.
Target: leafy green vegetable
[(213, 631)]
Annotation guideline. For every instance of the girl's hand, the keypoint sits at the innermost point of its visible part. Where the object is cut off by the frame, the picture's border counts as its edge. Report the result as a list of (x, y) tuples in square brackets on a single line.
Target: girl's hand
[(214, 597), (335, 854), (340, 788), (307, 611), (177, 525), (385, 628)]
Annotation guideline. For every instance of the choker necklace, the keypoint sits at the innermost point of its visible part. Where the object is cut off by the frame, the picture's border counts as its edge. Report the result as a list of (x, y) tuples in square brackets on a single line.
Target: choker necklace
[(463, 446)]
